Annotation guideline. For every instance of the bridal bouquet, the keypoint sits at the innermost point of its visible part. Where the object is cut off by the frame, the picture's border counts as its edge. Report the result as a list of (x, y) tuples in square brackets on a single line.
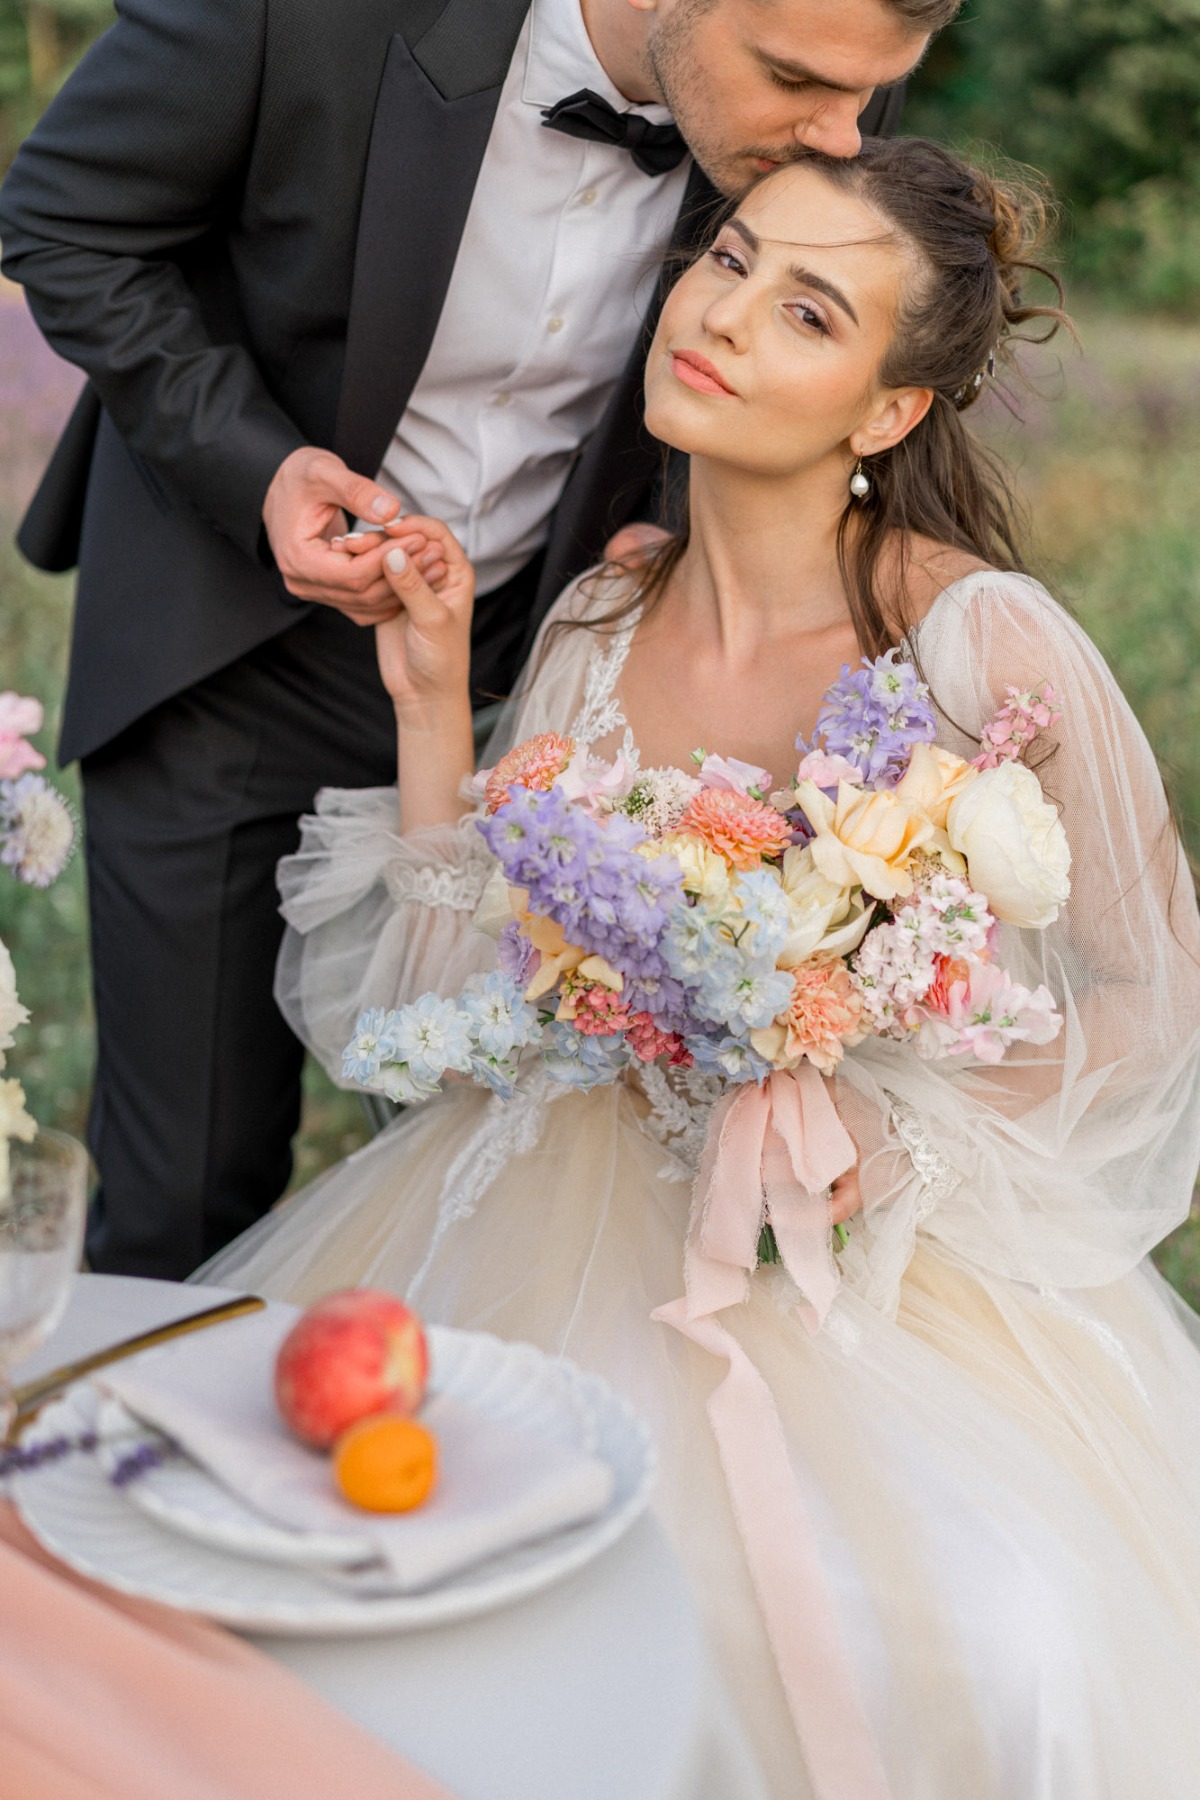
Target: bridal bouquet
[(698, 919)]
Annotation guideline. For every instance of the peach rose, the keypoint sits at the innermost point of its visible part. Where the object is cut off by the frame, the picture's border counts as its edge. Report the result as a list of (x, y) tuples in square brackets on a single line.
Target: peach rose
[(933, 779), (864, 838)]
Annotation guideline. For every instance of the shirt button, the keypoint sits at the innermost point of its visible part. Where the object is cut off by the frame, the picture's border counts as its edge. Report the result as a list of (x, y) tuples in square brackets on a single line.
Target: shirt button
[(588, 197), (556, 324), (502, 400), (484, 507)]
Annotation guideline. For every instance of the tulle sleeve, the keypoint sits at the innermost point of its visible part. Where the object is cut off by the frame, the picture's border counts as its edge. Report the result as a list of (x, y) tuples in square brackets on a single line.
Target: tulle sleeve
[(374, 919), (1064, 1164)]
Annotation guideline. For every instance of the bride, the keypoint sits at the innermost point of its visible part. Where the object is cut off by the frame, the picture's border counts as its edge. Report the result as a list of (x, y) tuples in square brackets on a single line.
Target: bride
[(961, 1558)]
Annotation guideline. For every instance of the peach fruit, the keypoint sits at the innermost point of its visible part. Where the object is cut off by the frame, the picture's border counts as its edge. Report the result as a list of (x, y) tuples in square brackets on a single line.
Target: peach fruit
[(350, 1355), (386, 1464)]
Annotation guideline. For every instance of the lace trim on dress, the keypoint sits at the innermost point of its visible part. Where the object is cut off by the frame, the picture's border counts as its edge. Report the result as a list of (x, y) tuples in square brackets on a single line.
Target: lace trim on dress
[(600, 714), (460, 888), (507, 1129), (938, 1180), (681, 1104)]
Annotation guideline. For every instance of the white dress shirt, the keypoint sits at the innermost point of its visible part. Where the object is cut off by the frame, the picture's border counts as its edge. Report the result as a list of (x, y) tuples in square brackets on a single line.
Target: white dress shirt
[(556, 267)]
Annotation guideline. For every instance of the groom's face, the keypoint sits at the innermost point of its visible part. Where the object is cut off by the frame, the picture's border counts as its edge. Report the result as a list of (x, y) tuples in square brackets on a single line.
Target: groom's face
[(748, 80)]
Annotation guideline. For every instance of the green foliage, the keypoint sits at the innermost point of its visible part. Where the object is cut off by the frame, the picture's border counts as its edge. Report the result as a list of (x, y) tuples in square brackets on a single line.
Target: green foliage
[(1103, 96), (40, 43)]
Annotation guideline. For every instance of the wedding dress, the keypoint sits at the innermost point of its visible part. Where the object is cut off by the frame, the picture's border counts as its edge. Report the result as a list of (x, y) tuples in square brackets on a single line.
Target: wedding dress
[(995, 1438)]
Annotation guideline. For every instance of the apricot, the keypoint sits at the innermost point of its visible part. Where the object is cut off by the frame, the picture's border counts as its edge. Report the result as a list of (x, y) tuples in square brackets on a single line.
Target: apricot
[(385, 1464)]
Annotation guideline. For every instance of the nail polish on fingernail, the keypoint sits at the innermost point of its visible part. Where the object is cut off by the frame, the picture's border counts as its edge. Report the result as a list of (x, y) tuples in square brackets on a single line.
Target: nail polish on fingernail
[(380, 507), (397, 562)]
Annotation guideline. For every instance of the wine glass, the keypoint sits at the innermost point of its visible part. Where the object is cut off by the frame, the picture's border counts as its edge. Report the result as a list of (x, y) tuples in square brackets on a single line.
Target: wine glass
[(41, 1241)]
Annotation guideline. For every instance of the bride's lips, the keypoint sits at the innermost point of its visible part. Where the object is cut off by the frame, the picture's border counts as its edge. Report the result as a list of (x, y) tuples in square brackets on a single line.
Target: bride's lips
[(695, 371)]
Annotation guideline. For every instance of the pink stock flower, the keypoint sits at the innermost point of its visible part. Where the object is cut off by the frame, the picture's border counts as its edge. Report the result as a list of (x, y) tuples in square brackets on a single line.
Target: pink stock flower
[(19, 716), (739, 828), (536, 764), (1016, 725), (598, 1011), (648, 1042), (982, 1013)]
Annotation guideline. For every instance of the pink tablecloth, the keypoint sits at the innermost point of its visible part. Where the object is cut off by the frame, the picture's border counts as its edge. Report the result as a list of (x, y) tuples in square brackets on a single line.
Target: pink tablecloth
[(107, 1698)]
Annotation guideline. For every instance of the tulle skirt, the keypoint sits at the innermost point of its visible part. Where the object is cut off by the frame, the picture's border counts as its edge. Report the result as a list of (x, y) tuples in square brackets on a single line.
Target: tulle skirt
[(1004, 1483)]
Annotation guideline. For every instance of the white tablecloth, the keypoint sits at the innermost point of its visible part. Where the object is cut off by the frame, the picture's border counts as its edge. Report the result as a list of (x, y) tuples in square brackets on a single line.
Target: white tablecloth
[(601, 1688)]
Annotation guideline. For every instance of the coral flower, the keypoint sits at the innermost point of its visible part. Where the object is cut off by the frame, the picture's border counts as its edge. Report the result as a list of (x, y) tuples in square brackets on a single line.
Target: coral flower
[(822, 1017), (536, 764), (741, 829)]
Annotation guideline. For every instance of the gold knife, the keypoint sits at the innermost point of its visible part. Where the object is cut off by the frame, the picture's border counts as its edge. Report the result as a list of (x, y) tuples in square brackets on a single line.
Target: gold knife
[(32, 1395)]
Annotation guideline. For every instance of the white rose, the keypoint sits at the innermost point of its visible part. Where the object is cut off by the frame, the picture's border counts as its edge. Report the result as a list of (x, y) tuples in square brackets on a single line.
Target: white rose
[(823, 918), (1016, 849)]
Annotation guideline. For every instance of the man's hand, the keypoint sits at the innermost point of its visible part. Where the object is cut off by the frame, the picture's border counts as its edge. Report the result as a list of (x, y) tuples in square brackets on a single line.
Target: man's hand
[(305, 514)]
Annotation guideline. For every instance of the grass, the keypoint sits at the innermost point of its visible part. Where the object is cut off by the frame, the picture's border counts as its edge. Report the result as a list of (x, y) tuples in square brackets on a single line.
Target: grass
[(1107, 454)]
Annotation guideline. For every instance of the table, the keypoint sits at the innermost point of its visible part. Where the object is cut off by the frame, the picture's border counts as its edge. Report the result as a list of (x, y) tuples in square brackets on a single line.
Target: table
[(600, 1688)]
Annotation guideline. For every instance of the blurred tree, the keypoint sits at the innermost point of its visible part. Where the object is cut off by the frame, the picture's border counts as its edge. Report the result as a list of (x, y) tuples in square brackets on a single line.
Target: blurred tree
[(40, 43), (1104, 97)]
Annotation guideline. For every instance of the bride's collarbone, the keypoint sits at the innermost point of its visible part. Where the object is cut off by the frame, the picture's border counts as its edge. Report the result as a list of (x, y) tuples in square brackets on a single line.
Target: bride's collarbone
[(754, 709)]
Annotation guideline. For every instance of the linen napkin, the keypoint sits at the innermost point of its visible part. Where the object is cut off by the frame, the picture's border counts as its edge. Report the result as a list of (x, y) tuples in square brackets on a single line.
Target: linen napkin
[(499, 1485), (103, 1697)]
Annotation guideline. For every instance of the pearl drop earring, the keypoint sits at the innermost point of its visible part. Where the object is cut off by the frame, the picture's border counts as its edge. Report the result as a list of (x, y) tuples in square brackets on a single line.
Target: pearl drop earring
[(860, 484)]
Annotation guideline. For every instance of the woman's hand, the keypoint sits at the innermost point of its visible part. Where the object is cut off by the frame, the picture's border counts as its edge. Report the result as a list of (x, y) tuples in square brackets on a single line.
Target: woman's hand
[(425, 649), (845, 1197)]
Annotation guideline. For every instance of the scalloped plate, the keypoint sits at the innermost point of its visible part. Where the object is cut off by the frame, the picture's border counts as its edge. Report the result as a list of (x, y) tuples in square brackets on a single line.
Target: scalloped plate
[(180, 1551)]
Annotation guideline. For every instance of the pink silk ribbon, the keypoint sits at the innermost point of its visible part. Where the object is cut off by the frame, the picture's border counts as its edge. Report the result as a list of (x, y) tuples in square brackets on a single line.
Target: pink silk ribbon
[(779, 1144)]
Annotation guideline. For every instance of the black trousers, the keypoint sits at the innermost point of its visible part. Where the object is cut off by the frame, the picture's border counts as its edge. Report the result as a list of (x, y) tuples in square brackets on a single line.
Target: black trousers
[(197, 1089)]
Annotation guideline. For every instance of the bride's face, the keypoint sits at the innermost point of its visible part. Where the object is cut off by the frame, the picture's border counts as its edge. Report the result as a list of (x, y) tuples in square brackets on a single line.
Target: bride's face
[(768, 348)]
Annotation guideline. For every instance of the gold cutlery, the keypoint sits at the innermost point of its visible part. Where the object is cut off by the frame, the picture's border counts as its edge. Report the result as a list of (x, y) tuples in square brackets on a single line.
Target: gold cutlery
[(31, 1396)]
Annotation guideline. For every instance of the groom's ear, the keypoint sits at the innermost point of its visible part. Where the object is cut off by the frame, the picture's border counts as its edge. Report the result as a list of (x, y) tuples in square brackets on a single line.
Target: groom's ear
[(894, 417)]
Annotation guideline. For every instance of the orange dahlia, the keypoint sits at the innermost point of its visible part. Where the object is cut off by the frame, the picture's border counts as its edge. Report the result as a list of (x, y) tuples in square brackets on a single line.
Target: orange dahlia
[(741, 829), (537, 764)]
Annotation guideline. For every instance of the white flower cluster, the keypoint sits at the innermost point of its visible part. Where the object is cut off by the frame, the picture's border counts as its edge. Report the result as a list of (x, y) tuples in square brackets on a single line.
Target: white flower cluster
[(897, 961), (37, 830), (659, 798)]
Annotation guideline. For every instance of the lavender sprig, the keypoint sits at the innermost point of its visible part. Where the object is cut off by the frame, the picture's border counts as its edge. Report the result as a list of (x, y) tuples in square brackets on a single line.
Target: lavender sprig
[(20, 1459)]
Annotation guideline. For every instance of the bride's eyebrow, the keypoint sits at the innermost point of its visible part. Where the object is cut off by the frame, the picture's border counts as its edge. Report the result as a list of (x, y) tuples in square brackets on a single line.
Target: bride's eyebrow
[(805, 277)]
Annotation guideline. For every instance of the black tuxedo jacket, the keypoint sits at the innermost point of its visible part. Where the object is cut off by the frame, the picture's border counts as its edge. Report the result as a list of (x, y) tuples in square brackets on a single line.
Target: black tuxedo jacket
[(240, 219)]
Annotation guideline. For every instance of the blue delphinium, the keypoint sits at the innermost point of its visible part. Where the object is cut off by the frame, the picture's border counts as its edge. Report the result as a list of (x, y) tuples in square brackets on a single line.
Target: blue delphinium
[(730, 1057), (581, 1061), (369, 1048), (873, 716), (430, 1036)]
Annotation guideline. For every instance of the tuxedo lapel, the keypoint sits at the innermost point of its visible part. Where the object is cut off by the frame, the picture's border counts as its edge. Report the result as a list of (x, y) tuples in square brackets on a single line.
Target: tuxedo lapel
[(433, 117)]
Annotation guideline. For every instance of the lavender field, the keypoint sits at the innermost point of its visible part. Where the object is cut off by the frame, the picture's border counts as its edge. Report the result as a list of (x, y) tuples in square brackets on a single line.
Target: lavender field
[(1108, 453)]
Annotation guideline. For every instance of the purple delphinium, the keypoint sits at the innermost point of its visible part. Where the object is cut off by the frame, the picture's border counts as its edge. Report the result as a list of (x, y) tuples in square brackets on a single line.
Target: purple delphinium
[(515, 955), (588, 877), (873, 716)]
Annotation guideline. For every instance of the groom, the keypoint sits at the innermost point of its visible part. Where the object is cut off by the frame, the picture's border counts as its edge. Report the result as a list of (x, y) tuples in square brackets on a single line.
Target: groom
[(326, 261)]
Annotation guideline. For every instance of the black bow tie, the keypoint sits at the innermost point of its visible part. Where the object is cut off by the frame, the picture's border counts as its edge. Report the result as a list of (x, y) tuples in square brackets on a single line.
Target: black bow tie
[(654, 148)]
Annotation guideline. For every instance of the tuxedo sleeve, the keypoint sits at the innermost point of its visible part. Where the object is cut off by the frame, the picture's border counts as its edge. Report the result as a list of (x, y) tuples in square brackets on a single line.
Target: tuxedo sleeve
[(140, 159)]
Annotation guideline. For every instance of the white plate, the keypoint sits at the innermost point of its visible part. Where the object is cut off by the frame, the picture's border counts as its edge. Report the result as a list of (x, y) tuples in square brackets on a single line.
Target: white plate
[(74, 1510), (519, 1387)]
